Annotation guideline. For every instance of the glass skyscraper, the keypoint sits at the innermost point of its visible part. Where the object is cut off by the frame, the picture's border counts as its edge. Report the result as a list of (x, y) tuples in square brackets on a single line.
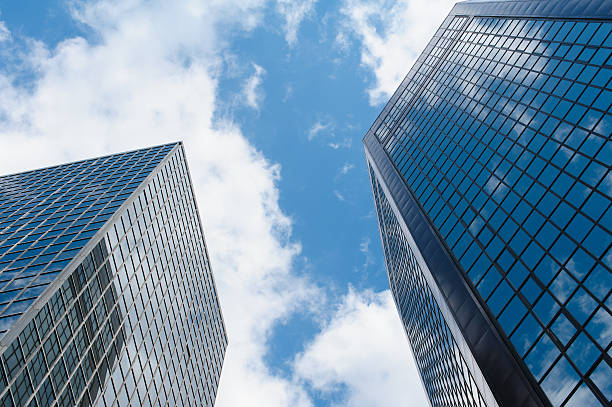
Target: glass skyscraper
[(107, 297), (490, 169)]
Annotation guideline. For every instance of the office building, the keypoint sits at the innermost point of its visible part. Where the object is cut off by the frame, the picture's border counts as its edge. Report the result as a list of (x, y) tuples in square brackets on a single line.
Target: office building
[(490, 169), (106, 292)]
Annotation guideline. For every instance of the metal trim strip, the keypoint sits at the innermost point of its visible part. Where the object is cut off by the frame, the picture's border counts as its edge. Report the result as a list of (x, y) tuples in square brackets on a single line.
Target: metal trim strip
[(588, 9)]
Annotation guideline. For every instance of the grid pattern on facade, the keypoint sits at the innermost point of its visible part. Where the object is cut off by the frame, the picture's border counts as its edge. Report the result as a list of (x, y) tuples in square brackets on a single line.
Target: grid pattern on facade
[(48, 215), (137, 323), (446, 376), (503, 136)]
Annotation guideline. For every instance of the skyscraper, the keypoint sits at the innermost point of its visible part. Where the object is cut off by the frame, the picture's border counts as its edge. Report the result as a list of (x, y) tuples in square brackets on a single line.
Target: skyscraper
[(490, 169), (106, 292)]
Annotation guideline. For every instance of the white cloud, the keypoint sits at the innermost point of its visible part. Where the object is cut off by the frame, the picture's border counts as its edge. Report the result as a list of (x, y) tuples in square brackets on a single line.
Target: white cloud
[(344, 143), (363, 351), (339, 196), (342, 41), (5, 34), (294, 12), (364, 247), (251, 91), (288, 92), (346, 168), (320, 127), (392, 33), (148, 80), (327, 129)]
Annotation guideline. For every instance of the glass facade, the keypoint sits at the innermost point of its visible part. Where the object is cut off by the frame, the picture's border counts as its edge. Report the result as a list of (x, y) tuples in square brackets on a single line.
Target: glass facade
[(447, 377), (47, 216), (133, 319), (501, 135)]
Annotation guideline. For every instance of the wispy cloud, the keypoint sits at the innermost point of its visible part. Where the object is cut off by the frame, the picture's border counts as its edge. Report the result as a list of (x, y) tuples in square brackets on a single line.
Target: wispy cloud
[(320, 127), (369, 215), (252, 93), (339, 196), (5, 34), (364, 247), (294, 12), (325, 129), (288, 92), (342, 41), (345, 168), (346, 142)]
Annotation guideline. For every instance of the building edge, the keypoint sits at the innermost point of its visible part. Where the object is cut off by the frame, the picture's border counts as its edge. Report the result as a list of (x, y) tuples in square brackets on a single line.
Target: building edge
[(197, 210), (504, 372), (451, 322), (44, 297)]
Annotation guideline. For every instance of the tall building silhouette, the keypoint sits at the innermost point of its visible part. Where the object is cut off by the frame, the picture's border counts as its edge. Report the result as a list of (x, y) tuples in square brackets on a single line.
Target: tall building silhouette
[(106, 292), (490, 169)]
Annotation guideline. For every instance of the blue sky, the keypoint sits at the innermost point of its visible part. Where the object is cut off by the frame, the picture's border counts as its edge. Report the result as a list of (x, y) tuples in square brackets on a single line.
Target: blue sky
[(272, 100)]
